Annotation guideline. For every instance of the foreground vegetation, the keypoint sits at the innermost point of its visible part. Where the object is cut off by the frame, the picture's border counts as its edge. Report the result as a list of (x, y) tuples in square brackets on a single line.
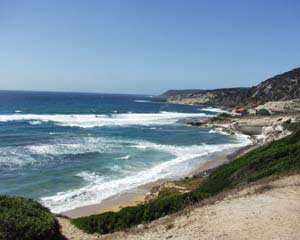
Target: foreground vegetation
[(26, 219), (279, 157)]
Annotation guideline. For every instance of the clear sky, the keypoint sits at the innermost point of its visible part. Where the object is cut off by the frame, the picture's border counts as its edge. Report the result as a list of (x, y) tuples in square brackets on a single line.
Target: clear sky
[(145, 46)]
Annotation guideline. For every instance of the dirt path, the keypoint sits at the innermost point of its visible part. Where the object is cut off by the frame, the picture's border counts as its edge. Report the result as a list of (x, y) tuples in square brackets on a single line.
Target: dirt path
[(73, 233), (265, 211)]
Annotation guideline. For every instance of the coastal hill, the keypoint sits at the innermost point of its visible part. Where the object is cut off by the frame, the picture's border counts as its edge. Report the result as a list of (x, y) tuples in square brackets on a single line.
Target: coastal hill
[(282, 87)]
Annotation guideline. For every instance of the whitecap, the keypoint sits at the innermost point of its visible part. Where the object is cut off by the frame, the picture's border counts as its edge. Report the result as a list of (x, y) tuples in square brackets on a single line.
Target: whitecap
[(91, 120), (76, 146), (219, 131), (125, 157), (15, 157), (35, 122), (21, 156), (140, 146), (90, 177), (142, 101), (211, 109)]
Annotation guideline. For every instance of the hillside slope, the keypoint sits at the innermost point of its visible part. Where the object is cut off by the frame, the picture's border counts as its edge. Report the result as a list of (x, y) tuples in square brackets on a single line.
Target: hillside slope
[(268, 210), (282, 87)]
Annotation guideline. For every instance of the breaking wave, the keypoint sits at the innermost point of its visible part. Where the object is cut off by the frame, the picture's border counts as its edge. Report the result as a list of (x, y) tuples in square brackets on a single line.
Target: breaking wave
[(98, 188), (211, 109), (143, 101), (91, 120)]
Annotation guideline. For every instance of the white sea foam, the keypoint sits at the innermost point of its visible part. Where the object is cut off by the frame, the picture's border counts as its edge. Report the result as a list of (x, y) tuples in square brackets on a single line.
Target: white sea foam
[(89, 177), (18, 111), (15, 157), (219, 131), (76, 146), (20, 156), (142, 101), (91, 120), (125, 157), (99, 188), (211, 109), (36, 122)]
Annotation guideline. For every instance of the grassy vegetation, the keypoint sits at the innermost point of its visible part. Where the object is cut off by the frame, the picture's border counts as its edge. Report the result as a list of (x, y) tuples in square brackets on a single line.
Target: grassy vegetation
[(222, 117), (25, 219), (291, 126), (263, 112), (189, 183), (279, 157), (165, 192), (184, 185)]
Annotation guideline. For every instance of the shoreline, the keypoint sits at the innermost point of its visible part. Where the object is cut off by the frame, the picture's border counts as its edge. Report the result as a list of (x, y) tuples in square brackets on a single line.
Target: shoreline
[(138, 195)]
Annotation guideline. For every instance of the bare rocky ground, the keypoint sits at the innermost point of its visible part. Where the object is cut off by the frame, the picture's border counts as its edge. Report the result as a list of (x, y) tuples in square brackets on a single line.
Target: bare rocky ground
[(262, 129), (266, 210)]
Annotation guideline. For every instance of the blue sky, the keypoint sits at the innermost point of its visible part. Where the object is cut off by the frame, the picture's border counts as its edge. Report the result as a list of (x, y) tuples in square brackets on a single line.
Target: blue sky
[(139, 46)]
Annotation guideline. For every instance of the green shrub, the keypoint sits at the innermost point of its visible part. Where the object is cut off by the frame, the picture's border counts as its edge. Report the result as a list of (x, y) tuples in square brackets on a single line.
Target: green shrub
[(26, 219), (291, 126), (279, 157), (224, 115), (263, 112)]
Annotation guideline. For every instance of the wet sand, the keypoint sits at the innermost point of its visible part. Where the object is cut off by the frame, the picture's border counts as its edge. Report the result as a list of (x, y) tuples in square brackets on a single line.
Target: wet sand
[(114, 203)]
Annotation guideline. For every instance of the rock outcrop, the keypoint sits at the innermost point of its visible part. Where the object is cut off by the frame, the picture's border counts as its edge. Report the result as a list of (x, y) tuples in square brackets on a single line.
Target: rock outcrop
[(228, 97), (282, 87), (291, 106), (261, 129)]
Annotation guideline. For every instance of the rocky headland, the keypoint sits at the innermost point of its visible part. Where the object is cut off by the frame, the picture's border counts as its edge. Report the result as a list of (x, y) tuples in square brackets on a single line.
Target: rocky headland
[(282, 87), (260, 111)]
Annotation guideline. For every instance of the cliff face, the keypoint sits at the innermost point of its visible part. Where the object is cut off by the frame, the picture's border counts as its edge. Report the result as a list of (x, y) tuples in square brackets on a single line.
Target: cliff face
[(229, 97), (282, 87)]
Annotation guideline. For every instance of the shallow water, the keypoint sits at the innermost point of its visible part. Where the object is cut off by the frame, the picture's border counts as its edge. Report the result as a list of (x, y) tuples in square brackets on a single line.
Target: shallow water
[(72, 149)]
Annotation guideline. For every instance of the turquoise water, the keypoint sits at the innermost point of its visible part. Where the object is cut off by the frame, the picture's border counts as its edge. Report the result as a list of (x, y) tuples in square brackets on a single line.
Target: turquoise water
[(72, 149)]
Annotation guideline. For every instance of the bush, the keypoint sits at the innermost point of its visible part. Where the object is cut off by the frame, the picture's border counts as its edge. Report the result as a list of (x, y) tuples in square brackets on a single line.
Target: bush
[(263, 112), (291, 126), (26, 219), (224, 115), (279, 157)]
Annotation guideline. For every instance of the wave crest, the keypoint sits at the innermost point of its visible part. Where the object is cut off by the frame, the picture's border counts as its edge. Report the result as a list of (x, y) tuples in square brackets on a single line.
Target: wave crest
[(92, 120)]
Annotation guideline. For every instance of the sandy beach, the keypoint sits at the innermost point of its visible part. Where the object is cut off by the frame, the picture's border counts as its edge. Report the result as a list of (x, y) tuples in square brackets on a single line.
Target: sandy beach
[(115, 202)]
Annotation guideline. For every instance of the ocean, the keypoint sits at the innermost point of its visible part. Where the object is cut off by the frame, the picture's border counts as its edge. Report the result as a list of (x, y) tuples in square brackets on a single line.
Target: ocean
[(69, 150)]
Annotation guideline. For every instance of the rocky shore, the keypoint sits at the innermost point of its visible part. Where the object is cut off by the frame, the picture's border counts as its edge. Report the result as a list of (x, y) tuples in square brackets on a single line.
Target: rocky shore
[(262, 129)]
